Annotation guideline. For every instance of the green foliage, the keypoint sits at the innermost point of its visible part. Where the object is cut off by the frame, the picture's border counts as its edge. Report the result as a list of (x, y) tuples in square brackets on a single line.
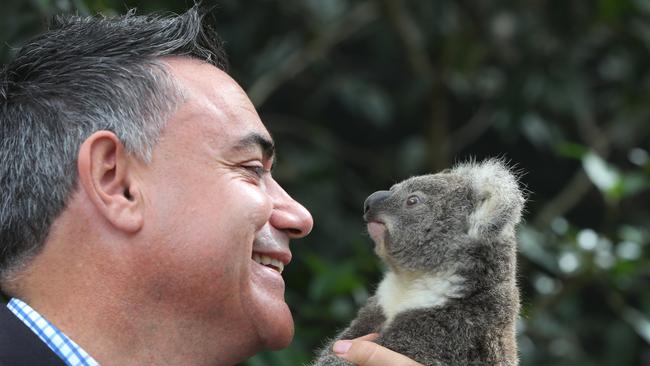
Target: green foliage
[(361, 94)]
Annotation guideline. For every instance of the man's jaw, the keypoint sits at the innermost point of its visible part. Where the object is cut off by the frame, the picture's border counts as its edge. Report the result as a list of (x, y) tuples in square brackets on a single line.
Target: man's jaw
[(268, 310)]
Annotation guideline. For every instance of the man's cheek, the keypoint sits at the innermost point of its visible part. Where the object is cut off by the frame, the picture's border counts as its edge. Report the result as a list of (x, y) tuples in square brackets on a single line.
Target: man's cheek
[(258, 205)]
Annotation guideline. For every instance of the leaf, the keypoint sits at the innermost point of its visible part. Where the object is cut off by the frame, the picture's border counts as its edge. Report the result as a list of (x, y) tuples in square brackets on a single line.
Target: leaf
[(634, 183), (530, 245), (602, 175), (365, 99), (537, 130), (639, 321), (571, 150)]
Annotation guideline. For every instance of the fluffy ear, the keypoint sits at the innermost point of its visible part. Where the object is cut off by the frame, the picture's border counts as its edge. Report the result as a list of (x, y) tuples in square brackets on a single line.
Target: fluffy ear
[(499, 201)]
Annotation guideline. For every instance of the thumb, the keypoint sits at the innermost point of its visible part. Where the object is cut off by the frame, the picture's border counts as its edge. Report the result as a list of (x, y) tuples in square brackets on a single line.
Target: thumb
[(366, 353)]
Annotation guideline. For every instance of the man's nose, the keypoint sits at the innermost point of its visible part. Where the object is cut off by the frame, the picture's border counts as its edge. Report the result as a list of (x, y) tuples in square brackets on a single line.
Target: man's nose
[(374, 199), (290, 216)]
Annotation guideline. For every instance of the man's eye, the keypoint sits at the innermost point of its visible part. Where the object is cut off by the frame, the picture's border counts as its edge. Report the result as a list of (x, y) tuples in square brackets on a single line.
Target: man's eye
[(256, 169)]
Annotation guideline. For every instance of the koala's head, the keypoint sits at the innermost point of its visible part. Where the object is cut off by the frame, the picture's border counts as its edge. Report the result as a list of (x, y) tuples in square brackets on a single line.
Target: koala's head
[(428, 222)]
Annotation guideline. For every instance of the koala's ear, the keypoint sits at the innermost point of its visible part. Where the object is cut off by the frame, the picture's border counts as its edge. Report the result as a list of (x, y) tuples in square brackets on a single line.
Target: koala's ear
[(499, 201)]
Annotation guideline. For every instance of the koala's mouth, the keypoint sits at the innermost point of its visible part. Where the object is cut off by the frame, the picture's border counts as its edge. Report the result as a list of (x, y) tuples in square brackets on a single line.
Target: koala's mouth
[(377, 231)]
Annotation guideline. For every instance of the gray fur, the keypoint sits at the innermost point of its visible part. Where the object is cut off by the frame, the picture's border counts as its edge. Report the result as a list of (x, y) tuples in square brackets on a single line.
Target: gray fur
[(83, 75), (460, 237)]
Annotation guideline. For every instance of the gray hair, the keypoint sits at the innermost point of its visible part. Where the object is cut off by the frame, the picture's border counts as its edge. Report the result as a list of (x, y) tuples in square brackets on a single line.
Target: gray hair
[(84, 75)]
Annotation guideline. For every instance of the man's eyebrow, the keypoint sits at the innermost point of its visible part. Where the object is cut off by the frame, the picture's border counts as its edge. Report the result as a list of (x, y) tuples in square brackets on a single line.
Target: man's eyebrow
[(256, 141)]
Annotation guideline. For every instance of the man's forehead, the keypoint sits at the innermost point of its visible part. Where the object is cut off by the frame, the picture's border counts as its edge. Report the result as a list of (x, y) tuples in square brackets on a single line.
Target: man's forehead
[(214, 97), (195, 76)]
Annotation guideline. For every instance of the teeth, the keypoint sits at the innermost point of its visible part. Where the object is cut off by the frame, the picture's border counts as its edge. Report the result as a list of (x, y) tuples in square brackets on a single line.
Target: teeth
[(265, 260)]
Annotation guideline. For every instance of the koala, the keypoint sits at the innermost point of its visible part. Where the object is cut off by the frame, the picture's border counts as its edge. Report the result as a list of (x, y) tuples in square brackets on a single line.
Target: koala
[(449, 296)]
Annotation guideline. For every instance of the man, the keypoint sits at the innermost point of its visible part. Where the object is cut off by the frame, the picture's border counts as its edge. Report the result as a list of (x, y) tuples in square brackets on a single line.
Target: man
[(140, 223)]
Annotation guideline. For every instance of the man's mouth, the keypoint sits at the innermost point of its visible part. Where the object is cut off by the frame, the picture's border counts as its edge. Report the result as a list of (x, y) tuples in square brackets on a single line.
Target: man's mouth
[(268, 262)]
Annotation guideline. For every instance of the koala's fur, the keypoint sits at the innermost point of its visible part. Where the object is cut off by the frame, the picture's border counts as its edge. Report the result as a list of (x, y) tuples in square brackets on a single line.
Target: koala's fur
[(449, 296)]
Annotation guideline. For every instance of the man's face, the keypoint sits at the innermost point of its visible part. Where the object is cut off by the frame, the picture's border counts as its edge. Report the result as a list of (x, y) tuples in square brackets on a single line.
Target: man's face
[(211, 206)]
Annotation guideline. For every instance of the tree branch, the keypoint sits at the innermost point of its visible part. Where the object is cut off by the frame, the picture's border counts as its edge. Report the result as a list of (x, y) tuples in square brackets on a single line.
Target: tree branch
[(580, 184), (415, 48), (470, 131), (411, 37), (294, 64)]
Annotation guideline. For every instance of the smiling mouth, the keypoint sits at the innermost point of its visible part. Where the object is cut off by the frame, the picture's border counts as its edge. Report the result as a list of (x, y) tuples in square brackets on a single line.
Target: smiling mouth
[(268, 262)]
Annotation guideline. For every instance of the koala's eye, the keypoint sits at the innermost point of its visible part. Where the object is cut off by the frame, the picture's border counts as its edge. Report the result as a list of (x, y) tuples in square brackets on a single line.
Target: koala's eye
[(412, 200)]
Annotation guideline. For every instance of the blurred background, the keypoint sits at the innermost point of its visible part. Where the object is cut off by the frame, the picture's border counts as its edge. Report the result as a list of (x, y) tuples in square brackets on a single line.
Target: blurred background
[(360, 94)]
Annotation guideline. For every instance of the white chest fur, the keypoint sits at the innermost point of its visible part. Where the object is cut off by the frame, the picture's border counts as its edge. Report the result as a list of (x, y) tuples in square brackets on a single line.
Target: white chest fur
[(398, 293)]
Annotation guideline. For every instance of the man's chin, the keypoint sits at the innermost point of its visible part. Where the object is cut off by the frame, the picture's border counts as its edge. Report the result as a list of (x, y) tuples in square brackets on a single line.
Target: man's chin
[(281, 341), (270, 316), (277, 332)]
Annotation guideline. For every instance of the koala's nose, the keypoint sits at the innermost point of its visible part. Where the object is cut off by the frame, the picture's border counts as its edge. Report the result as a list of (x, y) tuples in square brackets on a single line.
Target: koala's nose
[(374, 199)]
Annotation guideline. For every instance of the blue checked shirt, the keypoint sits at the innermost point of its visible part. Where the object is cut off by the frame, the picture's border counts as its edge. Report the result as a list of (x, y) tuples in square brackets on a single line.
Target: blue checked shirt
[(64, 347)]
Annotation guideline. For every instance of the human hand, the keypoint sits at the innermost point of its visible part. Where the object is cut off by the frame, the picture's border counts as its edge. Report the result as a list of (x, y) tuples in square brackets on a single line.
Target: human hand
[(363, 352)]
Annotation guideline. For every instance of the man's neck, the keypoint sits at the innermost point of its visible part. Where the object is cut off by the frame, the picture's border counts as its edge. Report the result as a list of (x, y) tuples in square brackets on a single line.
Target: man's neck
[(120, 334), (117, 322)]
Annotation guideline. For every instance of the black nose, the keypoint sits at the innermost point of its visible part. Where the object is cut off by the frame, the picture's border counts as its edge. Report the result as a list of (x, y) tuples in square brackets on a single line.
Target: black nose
[(374, 199)]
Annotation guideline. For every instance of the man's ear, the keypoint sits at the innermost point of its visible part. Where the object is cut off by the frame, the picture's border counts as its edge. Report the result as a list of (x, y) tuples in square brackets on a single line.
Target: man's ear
[(106, 174)]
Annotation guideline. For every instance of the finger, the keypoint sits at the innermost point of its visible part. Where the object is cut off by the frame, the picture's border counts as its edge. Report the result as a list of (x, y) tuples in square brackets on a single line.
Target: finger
[(365, 353), (368, 337)]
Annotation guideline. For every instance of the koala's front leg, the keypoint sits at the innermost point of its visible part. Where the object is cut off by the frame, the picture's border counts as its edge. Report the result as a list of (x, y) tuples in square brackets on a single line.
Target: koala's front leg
[(435, 337), (369, 320)]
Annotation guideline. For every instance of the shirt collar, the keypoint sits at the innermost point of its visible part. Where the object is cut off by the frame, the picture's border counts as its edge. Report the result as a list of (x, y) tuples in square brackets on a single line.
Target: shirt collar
[(70, 352)]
